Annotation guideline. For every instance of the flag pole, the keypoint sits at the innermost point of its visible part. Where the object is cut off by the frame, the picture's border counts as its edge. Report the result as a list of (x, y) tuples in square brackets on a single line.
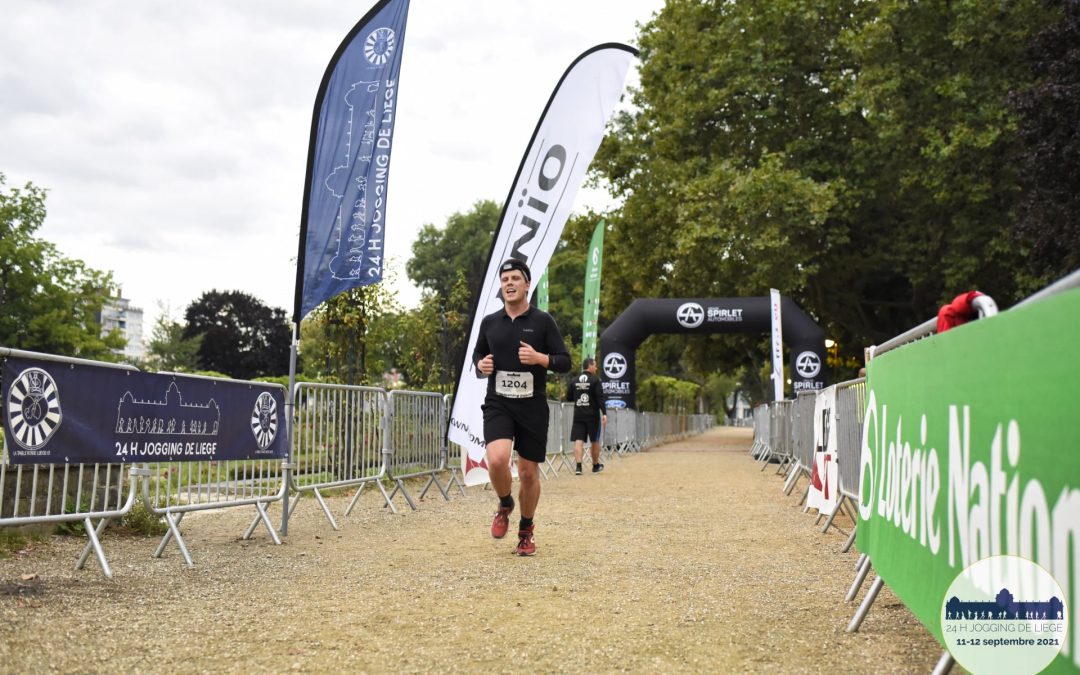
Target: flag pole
[(287, 465)]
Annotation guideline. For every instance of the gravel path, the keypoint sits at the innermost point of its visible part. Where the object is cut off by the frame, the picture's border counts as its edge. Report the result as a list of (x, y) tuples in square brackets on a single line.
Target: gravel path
[(682, 559)]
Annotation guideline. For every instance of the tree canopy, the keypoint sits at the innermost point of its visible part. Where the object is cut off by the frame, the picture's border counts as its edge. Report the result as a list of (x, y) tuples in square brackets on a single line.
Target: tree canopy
[(240, 336), (857, 156), (48, 302), (1049, 159)]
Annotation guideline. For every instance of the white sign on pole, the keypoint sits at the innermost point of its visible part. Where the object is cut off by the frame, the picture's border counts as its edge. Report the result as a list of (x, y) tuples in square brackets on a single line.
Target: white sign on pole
[(777, 347)]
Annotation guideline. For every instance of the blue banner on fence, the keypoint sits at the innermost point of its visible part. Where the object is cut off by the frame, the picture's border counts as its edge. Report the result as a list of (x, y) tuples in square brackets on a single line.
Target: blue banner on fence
[(344, 225), (58, 413)]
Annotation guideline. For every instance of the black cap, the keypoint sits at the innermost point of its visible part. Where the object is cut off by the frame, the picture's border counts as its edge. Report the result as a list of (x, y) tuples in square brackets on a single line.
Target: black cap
[(515, 264)]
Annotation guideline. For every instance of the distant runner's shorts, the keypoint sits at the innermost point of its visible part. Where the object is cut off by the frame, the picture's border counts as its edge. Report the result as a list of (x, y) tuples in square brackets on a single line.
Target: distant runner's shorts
[(522, 421), (585, 430)]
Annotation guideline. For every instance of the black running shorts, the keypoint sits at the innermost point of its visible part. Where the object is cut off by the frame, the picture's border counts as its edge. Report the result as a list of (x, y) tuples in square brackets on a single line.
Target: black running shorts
[(585, 430), (526, 424)]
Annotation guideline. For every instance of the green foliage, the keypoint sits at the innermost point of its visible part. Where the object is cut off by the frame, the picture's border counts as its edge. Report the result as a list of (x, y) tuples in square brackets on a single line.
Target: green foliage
[(662, 393), (14, 539), (141, 520), (440, 255), (239, 334), (1048, 221), (48, 303), (349, 338), (856, 156), (168, 349)]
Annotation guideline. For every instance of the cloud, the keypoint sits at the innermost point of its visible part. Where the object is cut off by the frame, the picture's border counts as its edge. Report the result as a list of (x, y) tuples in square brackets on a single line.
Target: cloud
[(172, 137)]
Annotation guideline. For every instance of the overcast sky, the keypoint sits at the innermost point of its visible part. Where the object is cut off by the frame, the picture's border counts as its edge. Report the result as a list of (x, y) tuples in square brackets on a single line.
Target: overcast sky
[(172, 136)]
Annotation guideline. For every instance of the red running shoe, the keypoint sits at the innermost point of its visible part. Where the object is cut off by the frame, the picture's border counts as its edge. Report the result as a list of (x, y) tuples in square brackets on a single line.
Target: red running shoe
[(501, 522), (526, 545)]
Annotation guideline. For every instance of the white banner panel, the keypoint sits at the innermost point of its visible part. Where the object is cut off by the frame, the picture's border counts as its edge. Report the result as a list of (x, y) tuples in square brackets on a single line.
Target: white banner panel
[(554, 165), (825, 475), (777, 346)]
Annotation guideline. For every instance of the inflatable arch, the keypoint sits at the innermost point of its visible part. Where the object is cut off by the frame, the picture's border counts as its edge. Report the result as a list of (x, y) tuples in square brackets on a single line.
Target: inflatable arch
[(618, 344)]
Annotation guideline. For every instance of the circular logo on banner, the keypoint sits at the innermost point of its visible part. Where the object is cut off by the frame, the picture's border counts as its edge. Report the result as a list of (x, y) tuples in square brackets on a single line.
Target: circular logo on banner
[(1004, 614), (264, 421), (808, 364), (614, 365), (379, 46), (690, 314), (33, 408)]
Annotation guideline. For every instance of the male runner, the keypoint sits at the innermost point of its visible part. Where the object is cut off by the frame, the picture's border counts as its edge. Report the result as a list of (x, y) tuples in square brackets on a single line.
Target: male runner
[(585, 392), (516, 347)]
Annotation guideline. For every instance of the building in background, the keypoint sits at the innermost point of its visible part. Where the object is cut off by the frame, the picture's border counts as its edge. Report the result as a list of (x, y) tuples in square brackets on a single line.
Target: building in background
[(119, 314)]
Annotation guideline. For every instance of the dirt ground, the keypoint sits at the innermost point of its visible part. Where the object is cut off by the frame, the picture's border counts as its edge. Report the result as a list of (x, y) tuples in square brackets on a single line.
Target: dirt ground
[(685, 558)]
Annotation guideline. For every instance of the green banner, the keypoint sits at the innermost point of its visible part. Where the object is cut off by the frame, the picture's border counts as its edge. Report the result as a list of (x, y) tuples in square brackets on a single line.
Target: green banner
[(591, 311), (542, 291), (970, 449)]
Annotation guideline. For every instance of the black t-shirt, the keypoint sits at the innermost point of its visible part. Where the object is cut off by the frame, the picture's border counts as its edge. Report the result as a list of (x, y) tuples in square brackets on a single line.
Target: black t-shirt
[(501, 336), (587, 395)]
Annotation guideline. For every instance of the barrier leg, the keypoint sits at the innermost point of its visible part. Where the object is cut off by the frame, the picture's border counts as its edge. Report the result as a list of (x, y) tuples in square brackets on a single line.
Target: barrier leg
[(850, 541), (784, 463), (764, 459), (94, 535), (261, 516), (860, 613), (174, 533), (805, 495), (832, 515), (388, 498), (860, 577), (454, 478), (434, 479), (354, 499), (849, 509), (944, 664), (860, 561), (793, 480), (400, 485), (326, 508)]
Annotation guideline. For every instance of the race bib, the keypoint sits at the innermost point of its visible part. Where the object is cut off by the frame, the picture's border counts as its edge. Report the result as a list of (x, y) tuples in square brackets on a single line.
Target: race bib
[(513, 385)]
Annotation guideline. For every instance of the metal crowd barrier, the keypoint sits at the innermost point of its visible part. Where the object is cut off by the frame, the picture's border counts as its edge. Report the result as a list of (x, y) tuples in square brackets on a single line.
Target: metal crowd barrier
[(554, 445), (850, 411), (801, 461), (339, 440), (171, 490), (64, 493), (760, 446), (55, 493), (779, 432), (417, 422)]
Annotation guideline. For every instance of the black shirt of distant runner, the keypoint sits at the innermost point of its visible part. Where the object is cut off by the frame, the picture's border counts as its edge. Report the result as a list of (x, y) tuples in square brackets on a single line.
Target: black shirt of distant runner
[(515, 348), (587, 394)]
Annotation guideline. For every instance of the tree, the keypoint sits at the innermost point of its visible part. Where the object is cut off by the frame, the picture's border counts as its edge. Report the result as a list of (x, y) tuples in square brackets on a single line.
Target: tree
[(857, 156), (439, 254), (48, 303), (168, 350), (1048, 222), (350, 337), (240, 335)]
